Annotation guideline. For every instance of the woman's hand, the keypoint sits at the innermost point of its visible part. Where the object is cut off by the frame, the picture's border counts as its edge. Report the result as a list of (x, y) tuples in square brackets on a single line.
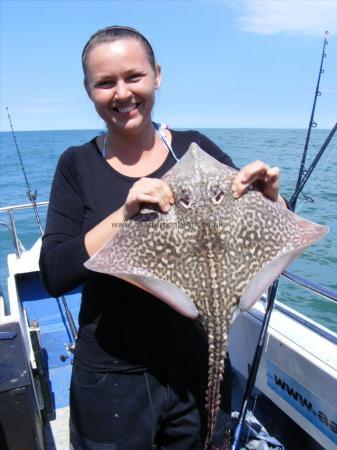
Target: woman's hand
[(145, 190), (148, 190), (261, 177)]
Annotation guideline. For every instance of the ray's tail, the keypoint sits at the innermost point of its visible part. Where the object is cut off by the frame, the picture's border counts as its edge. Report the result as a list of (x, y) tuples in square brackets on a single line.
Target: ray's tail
[(217, 345)]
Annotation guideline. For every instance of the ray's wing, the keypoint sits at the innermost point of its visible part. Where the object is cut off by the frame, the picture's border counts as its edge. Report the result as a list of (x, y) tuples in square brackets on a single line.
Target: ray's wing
[(262, 240), (150, 252)]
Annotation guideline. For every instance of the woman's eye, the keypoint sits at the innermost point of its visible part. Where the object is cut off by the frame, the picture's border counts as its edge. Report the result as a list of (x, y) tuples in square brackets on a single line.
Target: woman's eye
[(135, 77), (105, 84)]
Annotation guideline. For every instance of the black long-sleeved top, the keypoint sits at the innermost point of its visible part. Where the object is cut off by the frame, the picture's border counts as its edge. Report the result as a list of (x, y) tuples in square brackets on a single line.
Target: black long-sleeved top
[(121, 327)]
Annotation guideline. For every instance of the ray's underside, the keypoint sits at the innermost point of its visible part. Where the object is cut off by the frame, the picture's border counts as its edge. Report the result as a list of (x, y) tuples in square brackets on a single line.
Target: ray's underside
[(208, 252)]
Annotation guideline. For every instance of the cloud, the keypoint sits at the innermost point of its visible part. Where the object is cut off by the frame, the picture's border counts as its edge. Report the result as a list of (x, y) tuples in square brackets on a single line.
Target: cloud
[(310, 17)]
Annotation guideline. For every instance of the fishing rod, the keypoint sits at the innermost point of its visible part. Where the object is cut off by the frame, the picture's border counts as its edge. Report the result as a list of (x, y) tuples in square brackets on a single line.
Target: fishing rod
[(312, 124), (255, 365), (32, 198), (303, 177), (30, 194), (308, 172)]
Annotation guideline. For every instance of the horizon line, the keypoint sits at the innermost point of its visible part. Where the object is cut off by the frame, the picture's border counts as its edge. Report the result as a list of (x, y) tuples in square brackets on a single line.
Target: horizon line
[(173, 128)]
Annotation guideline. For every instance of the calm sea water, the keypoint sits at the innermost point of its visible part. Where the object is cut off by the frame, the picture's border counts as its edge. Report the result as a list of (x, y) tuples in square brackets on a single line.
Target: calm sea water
[(40, 151)]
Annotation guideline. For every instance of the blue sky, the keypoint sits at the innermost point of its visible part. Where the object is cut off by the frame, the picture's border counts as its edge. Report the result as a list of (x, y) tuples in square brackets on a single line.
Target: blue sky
[(249, 63)]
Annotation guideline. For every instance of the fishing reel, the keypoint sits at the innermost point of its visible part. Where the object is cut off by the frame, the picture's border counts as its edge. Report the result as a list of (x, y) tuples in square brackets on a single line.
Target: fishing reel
[(70, 349)]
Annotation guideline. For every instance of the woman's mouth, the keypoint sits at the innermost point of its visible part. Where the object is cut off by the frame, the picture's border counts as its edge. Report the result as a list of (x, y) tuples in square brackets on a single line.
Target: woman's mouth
[(127, 109)]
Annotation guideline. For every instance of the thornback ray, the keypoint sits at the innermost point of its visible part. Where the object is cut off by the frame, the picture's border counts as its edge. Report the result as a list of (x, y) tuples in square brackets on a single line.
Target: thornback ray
[(210, 255)]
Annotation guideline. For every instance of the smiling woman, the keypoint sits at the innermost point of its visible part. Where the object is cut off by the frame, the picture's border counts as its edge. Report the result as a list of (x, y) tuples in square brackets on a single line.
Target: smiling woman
[(122, 89), (120, 79), (140, 368)]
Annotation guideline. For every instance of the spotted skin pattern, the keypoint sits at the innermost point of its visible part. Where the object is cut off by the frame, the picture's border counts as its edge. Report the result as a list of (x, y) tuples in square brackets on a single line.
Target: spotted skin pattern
[(211, 246)]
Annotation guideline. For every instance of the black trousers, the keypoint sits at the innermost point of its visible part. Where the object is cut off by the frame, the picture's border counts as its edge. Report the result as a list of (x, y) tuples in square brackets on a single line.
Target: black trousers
[(162, 410)]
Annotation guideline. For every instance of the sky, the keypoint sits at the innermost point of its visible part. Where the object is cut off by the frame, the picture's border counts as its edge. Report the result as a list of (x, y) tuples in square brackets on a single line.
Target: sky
[(225, 64)]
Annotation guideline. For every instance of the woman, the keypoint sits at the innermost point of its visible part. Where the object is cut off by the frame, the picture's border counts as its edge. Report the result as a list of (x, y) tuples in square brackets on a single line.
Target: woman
[(139, 367)]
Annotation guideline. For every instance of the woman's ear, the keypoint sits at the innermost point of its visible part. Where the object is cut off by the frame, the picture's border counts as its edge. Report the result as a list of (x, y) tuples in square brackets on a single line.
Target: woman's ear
[(87, 88), (158, 76)]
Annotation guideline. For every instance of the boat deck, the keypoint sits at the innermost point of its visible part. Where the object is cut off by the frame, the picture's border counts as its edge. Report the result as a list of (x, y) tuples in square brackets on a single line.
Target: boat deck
[(56, 434), (278, 424)]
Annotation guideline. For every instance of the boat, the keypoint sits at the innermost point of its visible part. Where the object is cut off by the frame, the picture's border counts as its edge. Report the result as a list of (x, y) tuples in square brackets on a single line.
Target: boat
[(295, 389), (35, 330)]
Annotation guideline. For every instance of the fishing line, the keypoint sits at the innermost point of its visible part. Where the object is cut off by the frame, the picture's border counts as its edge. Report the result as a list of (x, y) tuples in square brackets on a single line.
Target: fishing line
[(328, 158), (309, 171), (321, 173)]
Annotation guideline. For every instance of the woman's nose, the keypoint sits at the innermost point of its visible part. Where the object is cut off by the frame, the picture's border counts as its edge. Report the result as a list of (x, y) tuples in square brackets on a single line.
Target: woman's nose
[(122, 91)]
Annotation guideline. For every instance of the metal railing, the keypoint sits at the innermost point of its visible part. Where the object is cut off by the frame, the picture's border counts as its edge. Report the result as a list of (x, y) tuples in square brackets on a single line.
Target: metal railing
[(318, 289), (19, 249), (23, 206), (9, 210)]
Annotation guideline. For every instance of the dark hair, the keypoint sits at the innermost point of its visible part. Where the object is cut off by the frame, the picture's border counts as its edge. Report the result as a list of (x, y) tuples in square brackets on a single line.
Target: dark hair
[(114, 33)]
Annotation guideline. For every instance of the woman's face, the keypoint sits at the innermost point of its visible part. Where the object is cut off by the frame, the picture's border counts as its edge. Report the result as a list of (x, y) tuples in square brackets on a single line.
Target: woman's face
[(121, 82)]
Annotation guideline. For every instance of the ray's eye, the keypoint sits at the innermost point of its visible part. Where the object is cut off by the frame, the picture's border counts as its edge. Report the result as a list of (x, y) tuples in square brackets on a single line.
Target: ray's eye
[(185, 201), (218, 197)]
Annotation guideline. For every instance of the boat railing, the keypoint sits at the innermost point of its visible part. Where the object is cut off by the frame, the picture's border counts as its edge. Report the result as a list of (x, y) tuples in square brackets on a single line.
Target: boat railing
[(11, 227), (311, 286)]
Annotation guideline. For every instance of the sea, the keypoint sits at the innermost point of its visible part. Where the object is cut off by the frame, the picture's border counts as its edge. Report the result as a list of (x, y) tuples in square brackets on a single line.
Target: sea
[(40, 151)]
